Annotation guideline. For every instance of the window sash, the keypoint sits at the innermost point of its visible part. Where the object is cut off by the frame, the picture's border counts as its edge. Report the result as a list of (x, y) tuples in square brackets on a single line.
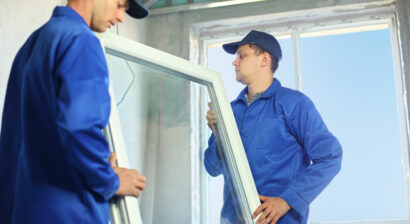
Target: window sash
[(128, 211)]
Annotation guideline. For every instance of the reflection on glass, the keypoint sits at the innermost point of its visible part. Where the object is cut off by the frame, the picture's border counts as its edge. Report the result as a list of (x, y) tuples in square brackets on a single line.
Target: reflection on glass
[(239, 213), (286, 70), (159, 124), (219, 60)]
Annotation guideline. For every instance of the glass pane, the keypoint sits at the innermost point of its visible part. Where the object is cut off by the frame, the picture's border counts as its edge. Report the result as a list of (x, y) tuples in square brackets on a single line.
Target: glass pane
[(286, 70), (162, 122), (350, 78), (220, 61)]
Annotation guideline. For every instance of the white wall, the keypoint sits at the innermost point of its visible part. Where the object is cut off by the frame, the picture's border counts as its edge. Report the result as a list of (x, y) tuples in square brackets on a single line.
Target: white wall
[(19, 18), (133, 29)]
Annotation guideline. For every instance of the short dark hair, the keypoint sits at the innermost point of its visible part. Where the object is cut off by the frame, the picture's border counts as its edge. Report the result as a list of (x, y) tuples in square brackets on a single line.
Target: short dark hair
[(258, 51)]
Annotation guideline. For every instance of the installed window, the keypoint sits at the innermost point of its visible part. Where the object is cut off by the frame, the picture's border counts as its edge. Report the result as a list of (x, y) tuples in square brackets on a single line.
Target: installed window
[(350, 76)]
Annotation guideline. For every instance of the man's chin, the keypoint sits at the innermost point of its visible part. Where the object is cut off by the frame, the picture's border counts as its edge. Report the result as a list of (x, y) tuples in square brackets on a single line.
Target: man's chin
[(242, 81), (239, 79), (99, 29)]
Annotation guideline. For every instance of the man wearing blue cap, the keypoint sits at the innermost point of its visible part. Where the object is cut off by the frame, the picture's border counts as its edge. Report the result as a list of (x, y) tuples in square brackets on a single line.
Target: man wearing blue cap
[(290, 151), (53, 155)]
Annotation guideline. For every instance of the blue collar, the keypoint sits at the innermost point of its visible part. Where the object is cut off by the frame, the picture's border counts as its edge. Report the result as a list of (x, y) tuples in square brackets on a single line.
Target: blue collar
[(272, 90), (68, 12)]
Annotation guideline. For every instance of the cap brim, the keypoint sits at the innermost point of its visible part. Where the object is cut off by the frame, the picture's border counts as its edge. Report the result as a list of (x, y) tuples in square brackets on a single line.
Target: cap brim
[(137, 9), (231, 48)]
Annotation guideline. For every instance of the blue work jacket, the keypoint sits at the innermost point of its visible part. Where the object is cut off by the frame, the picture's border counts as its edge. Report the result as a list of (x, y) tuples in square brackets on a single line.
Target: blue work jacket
[(53, 155), (290, 151)]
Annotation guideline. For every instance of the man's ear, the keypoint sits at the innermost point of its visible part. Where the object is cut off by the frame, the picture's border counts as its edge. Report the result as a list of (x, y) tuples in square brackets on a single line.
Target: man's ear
[(265, 59)]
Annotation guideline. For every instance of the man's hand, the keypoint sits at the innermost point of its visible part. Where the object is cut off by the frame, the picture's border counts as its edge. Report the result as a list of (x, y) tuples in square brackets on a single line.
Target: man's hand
[(272, 209), (113, 159), (131, 182), (211, 117)]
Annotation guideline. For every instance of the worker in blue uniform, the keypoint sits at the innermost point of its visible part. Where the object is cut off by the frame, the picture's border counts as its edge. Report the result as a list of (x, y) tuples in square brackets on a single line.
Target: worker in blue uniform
[(291, 153), (54, 164)]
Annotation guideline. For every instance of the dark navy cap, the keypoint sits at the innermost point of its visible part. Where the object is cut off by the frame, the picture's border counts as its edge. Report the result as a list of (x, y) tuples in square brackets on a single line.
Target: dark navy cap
[(137, 9), (261, 39)]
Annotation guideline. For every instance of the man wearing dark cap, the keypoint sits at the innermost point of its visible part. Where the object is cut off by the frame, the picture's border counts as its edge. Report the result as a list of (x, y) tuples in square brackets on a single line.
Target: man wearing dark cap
[(53, 155), (291, 153)]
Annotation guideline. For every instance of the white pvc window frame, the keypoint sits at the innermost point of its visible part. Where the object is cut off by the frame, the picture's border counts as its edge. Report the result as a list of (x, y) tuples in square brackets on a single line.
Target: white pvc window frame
[(129, 211), (317, 22)]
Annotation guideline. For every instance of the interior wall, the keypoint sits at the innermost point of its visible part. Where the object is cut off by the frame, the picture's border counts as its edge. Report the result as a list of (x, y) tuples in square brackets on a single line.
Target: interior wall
[(133, 29), (19, 18)]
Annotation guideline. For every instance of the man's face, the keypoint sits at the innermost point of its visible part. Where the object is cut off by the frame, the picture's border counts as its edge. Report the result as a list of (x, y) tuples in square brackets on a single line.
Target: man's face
[(107, 13), (246, 64)]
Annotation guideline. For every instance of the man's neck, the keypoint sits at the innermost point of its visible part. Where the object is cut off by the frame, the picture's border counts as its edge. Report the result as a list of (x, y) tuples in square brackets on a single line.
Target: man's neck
[(83, 8), (259, 86)]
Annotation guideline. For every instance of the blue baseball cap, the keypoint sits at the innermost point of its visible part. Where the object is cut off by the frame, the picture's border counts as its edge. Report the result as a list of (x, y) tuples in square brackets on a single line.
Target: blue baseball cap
[(137, 9), (261, 39)]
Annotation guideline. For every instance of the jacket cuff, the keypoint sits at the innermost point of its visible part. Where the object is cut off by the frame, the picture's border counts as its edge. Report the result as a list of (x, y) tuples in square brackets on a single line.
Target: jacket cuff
[(295, 201), (212, 160), (114, 186)]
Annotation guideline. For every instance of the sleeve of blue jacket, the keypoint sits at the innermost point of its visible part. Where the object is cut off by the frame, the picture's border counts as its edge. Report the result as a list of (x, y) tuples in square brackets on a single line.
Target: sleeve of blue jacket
[(83, 111), (212, 161), (324, 151)]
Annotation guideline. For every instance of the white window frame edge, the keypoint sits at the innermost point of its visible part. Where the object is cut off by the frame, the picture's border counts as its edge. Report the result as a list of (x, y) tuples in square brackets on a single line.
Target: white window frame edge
[(194, 71), (114, 136), (295, 35), (117, 145), (294, 23), (203, 176), (402, 104), (195, 155)]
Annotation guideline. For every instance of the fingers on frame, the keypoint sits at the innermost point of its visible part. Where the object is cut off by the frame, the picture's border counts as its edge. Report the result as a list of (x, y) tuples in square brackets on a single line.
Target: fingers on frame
[(259, 209), (263, 216), (137, 192)]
